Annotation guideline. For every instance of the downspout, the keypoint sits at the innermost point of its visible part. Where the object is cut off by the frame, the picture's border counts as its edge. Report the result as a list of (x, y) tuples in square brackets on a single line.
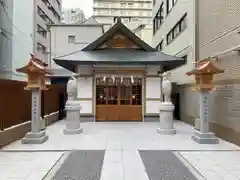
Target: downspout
[(50, 47), (196, 48), (1, 39), (34, 26), (196, 32)]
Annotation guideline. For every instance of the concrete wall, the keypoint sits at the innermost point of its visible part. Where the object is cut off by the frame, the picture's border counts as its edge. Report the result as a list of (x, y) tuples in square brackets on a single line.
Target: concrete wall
[(146, 34), (22, 36), (15, 133), (6, 36)]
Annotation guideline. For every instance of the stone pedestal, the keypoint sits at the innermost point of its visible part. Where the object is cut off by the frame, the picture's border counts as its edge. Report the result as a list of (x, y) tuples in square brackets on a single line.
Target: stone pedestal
[(73, 119), (36, 136), (204, 136), (166, 119)]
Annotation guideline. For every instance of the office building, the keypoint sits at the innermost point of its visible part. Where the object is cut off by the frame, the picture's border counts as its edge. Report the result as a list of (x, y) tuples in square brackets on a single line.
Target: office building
[(136, 15), (30, 31), (71, 16)]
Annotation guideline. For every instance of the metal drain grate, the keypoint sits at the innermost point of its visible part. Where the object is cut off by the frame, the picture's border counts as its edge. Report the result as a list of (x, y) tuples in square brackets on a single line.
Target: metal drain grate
[(81, 165), (164, 165)]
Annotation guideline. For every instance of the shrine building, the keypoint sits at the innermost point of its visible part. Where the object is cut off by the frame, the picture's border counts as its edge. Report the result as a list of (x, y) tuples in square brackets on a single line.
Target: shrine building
[(118, 76)]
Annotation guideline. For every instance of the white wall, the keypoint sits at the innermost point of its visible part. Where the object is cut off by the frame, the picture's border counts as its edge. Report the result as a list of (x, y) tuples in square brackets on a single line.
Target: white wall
[(84, 87), (59, 38), (153, 93), (22, 35), (84, 92)]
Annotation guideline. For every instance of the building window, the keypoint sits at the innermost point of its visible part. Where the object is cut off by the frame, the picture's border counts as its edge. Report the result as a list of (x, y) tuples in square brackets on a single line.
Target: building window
[(41, 31), (50, 7), (122, 4), (177, 29), (130, 4), (71, 39), (43, 15), (170, 5), (158, 20), (160, 46), (41, 48)]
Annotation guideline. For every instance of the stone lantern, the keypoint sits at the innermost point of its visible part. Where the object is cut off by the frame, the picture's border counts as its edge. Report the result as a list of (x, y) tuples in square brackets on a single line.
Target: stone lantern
[(36, 72), (204, 73)]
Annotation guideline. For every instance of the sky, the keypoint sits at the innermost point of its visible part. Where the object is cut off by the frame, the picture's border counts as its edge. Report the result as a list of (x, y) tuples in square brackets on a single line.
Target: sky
[(85, 5)]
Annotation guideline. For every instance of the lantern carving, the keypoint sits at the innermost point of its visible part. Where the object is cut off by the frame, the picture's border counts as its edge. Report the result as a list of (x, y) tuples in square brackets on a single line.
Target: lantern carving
[(36, 71), (204, 73)]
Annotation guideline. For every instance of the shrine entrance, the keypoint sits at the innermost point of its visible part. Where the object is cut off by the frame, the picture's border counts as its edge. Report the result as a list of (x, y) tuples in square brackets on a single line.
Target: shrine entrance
[(118, 99)]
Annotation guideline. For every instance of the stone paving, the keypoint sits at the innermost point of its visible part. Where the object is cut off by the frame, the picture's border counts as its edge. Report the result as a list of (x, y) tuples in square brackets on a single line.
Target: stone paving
[(122, 160)]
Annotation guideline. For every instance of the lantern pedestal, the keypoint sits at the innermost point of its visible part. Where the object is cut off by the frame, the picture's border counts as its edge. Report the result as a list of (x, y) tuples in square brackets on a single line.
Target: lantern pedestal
[(204, 136), (166, 118), (73, 119), (36, 136)]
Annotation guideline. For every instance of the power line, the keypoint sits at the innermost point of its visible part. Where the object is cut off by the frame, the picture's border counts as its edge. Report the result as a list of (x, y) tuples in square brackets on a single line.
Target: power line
[(17, 43)]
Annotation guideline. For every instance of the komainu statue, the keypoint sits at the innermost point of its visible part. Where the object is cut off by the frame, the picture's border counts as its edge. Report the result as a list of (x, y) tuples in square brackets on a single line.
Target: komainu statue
[(166, 86), (72, 88)]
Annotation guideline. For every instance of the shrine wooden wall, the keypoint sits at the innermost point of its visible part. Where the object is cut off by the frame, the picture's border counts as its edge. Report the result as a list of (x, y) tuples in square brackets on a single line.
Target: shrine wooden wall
[(15, 102)]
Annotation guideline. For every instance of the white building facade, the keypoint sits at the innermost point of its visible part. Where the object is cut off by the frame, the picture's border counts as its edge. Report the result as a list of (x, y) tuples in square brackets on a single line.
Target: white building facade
[(71, 16), (30, 32), (173, 33), (134, 14), (69, 38)]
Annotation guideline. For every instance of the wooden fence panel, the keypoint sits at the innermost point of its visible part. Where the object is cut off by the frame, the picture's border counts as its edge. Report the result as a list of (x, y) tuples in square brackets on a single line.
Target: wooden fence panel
[(15, 102)]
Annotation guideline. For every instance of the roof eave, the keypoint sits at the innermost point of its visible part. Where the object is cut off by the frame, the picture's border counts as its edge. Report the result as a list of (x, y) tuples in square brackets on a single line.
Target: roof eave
[(167, 65)]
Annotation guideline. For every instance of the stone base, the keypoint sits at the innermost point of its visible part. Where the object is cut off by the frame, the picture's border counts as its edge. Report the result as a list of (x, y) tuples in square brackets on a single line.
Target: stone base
[(72, 131), (205, 138), (35, 138), (166, 131)]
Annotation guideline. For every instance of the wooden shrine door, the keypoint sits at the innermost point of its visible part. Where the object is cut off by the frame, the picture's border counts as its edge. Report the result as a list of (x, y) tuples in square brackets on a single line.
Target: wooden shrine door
[(119, 100)]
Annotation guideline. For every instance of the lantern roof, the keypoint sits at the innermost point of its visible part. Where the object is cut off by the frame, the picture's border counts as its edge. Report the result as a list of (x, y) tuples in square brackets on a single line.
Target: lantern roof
[(205, 66), (35, 65)]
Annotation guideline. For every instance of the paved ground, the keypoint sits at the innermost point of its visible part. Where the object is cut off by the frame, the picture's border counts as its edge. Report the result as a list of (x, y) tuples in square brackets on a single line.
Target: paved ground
[(122, 160)]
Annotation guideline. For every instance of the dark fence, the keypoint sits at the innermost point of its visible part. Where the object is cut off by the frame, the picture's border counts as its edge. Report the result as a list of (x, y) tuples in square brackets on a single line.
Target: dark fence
[(15, 102)]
